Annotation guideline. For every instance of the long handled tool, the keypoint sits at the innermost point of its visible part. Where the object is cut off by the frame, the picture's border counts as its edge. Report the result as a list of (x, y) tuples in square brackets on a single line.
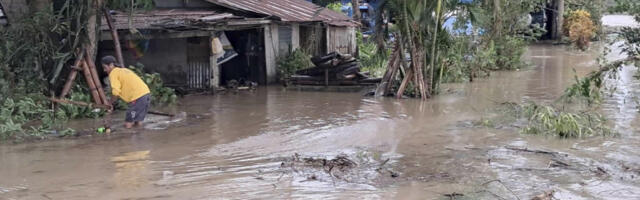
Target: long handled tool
[(65, 101)]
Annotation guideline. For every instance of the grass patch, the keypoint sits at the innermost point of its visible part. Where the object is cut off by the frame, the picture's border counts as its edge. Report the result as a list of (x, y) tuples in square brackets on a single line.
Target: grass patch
[(548, 120), (562, 122)]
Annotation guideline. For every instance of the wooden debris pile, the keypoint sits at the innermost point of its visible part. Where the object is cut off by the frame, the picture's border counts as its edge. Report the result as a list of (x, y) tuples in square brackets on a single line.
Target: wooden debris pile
[(333, 69)]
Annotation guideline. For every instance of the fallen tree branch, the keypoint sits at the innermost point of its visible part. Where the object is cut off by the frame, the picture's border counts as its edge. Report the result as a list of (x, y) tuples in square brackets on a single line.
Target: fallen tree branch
[(530, 150)]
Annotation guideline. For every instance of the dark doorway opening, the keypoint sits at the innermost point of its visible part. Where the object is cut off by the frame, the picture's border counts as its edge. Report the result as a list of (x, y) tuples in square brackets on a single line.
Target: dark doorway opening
[(249, 65)]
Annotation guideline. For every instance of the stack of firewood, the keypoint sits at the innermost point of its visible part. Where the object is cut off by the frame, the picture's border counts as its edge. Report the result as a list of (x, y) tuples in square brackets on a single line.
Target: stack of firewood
[(333, 69)]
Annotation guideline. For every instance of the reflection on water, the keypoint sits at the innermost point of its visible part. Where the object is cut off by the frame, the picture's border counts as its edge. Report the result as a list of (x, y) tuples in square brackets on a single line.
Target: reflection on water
[(233, 146), (129, 169)]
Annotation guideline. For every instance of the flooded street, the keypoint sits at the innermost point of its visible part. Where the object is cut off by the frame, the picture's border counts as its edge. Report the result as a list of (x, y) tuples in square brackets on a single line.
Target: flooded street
[(240, 146)]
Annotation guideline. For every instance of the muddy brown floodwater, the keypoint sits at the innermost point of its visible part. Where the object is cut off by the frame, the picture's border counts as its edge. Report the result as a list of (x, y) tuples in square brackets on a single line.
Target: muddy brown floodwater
[(246, 146)]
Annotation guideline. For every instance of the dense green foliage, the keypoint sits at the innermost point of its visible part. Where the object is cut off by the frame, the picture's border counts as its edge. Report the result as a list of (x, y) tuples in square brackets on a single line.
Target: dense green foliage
[(336, 6), (498, 40), (296, 60), (324, 3), (371, 58), (29, 117), (33, 50), (35, 53)]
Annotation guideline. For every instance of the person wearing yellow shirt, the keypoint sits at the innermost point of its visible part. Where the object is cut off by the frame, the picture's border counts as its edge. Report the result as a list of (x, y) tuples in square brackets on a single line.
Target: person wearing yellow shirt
[(129, 87)]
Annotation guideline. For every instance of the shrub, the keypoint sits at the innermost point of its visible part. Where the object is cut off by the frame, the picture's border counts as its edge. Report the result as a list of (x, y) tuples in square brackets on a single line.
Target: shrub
[(16, 114), (509, 51), (580, 28)]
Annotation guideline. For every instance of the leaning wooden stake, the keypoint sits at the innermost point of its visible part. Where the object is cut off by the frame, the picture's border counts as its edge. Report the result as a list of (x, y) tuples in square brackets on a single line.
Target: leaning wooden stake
[(92, 85), (114, 36), (407, 78), (72, 75), (96, 78)]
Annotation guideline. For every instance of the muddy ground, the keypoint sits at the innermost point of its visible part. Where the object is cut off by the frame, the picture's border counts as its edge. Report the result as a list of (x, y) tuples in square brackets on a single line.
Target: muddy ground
[(277, 144)]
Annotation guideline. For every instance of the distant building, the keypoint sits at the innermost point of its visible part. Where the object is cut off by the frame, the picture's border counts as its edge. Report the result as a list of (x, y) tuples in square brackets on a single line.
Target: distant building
[(177, 38)]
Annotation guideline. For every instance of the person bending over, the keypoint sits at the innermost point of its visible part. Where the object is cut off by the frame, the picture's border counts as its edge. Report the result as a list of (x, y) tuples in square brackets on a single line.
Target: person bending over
[(126, 85)]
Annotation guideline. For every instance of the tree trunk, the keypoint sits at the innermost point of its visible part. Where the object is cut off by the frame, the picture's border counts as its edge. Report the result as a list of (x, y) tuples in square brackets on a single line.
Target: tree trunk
[(380, 27), (559, 20), (92, 26), (434, 45), (497, 24), (356, 10)]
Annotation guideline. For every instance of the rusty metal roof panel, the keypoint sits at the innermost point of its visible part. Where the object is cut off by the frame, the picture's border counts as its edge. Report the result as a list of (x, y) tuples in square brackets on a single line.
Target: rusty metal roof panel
[(159, 18), (289, 10)]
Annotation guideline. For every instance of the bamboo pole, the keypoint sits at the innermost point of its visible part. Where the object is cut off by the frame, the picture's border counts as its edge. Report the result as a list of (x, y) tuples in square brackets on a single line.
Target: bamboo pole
[(72, 75), (89, 80), (114, 36), (95, 77)]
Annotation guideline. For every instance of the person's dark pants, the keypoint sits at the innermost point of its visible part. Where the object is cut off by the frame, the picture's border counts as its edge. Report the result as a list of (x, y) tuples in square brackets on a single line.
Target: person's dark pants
[(138, 109)]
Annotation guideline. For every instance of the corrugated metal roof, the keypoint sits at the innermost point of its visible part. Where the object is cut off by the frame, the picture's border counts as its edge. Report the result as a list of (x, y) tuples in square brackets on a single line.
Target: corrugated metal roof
[(163, 18), (289, 10)]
